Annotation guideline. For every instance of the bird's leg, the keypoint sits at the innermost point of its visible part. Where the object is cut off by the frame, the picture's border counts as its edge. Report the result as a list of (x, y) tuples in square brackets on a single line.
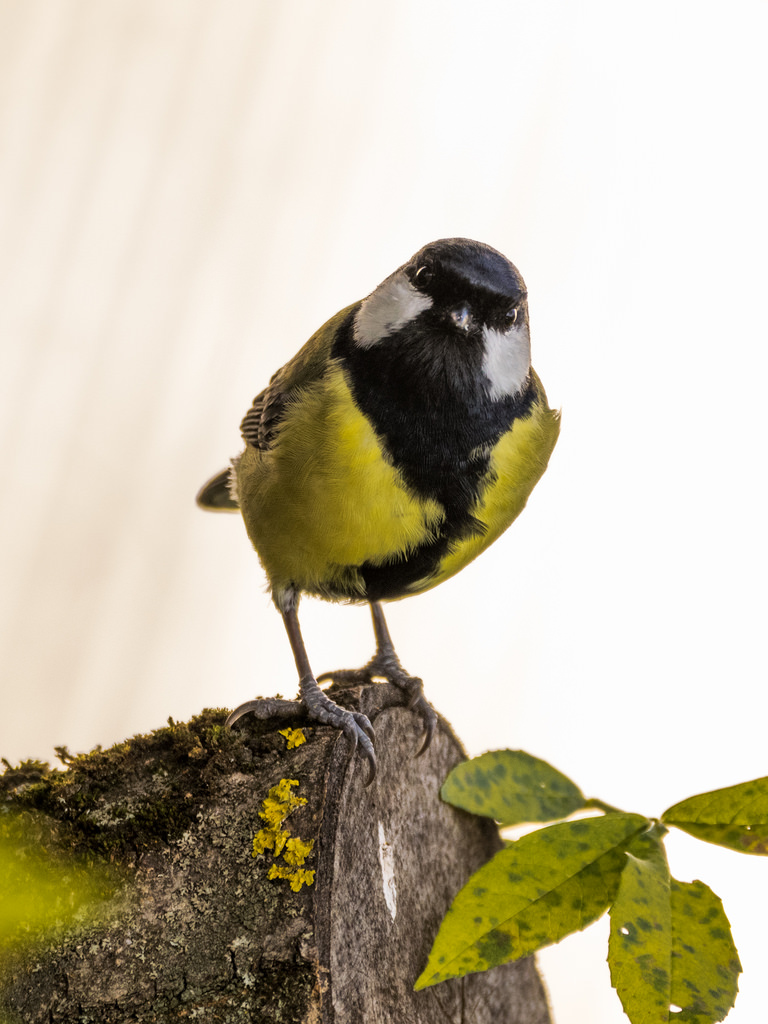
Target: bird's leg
[(314, 703), (386, 663), (320, 707)]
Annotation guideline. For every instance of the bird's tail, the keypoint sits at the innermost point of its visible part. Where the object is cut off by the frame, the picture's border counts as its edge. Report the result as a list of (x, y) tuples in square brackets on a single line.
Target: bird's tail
[(217, 495)]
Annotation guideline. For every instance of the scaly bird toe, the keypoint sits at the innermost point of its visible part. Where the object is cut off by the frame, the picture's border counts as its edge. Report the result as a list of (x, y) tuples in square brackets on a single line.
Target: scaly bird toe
[(412, 687), (348, 676), (355, 725), (386, 666), (267, 707)]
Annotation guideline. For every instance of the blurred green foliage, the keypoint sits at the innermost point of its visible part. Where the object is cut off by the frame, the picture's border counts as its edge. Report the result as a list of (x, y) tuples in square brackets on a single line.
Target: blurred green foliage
[(45, 888)]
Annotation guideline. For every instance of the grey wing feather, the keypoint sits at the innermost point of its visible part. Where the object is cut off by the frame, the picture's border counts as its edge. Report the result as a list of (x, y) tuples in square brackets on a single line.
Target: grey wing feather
[(259, 427), (258, 430), (261, 420)]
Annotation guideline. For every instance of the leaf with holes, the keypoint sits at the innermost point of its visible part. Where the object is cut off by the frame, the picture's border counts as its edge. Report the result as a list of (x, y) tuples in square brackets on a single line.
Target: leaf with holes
[(705, 963), (671, 954), (512, 787), (735, 817), (542, 887), (640, 944)]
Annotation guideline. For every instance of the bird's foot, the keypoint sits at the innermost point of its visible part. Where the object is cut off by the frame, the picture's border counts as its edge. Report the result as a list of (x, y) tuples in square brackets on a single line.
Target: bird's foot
[(317, 707), (355, 725), (386, 665)]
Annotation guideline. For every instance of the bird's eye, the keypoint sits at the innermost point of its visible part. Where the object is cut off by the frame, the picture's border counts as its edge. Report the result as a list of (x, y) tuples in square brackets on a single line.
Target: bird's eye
[(422, 275), (512, 316)]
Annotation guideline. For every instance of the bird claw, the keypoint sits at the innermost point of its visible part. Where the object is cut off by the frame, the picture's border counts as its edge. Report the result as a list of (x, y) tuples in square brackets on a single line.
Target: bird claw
[(389, 668), (356, 727), (413, 687), (429, 720), (366, 740)]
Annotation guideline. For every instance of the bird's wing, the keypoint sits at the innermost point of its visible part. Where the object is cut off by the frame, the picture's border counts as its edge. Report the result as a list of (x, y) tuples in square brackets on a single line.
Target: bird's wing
[(266, 411), (307, 366)]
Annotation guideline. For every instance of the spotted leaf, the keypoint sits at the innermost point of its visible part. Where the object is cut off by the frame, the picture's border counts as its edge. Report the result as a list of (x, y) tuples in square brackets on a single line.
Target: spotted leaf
[(512, 787), (539, 889), (640, 944), (735, 817)]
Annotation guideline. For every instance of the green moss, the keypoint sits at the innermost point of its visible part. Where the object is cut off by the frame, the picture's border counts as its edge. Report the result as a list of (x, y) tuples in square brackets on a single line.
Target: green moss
[(146, 790)]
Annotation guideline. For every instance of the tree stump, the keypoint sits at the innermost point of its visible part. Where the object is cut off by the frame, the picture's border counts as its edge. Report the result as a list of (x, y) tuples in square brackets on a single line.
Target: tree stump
[(204, 933)]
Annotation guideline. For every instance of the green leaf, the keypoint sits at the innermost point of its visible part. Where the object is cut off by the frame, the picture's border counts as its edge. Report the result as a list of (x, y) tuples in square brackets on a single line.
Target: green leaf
[(705, 963), (735, 817), (512, 787), (640, 944), (671, 954), (544, 886)]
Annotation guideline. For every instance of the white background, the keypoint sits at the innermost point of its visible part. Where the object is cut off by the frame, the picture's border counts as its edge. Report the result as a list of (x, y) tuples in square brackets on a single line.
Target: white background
[(189, 188)]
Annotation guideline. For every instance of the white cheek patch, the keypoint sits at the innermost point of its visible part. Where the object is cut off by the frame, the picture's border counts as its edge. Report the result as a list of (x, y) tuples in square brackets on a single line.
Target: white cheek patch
[(394, 303), (507, 360)]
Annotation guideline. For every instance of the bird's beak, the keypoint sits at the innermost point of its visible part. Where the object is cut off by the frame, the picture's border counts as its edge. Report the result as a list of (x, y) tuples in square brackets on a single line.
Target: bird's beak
[(462, 317)]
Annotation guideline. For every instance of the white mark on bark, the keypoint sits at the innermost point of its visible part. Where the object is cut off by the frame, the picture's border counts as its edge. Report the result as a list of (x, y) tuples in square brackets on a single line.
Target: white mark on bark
[(387, 861)]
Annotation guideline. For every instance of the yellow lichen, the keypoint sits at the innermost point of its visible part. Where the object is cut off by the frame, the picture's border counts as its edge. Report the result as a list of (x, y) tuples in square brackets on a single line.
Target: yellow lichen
[(295, 876), (279, 803), (276, 807), (262, 841), (294, 737), (269, 840), (297, 851)]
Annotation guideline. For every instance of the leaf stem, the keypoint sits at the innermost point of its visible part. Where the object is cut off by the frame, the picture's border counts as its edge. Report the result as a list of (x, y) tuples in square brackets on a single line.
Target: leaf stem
[(600, 805)]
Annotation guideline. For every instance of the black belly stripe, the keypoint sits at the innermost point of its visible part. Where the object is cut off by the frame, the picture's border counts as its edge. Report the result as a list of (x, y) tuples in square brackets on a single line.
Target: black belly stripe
[(425, 398), (396, 578)]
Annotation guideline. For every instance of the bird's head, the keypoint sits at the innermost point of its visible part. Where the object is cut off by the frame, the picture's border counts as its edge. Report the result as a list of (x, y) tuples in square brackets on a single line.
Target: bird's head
[(458, 301)]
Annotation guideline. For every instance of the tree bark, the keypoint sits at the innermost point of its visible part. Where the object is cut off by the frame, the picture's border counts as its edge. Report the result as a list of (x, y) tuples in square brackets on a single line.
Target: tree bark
[(203, 933)]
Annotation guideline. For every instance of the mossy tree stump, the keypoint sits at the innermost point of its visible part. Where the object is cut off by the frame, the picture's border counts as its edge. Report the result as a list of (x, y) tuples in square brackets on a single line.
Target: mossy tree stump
[(204, 933)]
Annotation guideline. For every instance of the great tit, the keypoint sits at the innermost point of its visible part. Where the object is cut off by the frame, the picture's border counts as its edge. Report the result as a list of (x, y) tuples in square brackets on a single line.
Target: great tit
[(395, 446)]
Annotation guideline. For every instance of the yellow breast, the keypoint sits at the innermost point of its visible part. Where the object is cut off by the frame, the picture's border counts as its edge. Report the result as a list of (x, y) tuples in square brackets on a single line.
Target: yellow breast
[(325, 499)]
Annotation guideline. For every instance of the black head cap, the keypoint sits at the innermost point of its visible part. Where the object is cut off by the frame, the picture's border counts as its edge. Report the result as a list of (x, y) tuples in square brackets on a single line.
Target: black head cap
[(450, 266)]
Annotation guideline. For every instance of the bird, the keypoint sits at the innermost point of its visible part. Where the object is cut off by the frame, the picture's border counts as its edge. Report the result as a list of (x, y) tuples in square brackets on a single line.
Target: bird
[(402, 440)]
